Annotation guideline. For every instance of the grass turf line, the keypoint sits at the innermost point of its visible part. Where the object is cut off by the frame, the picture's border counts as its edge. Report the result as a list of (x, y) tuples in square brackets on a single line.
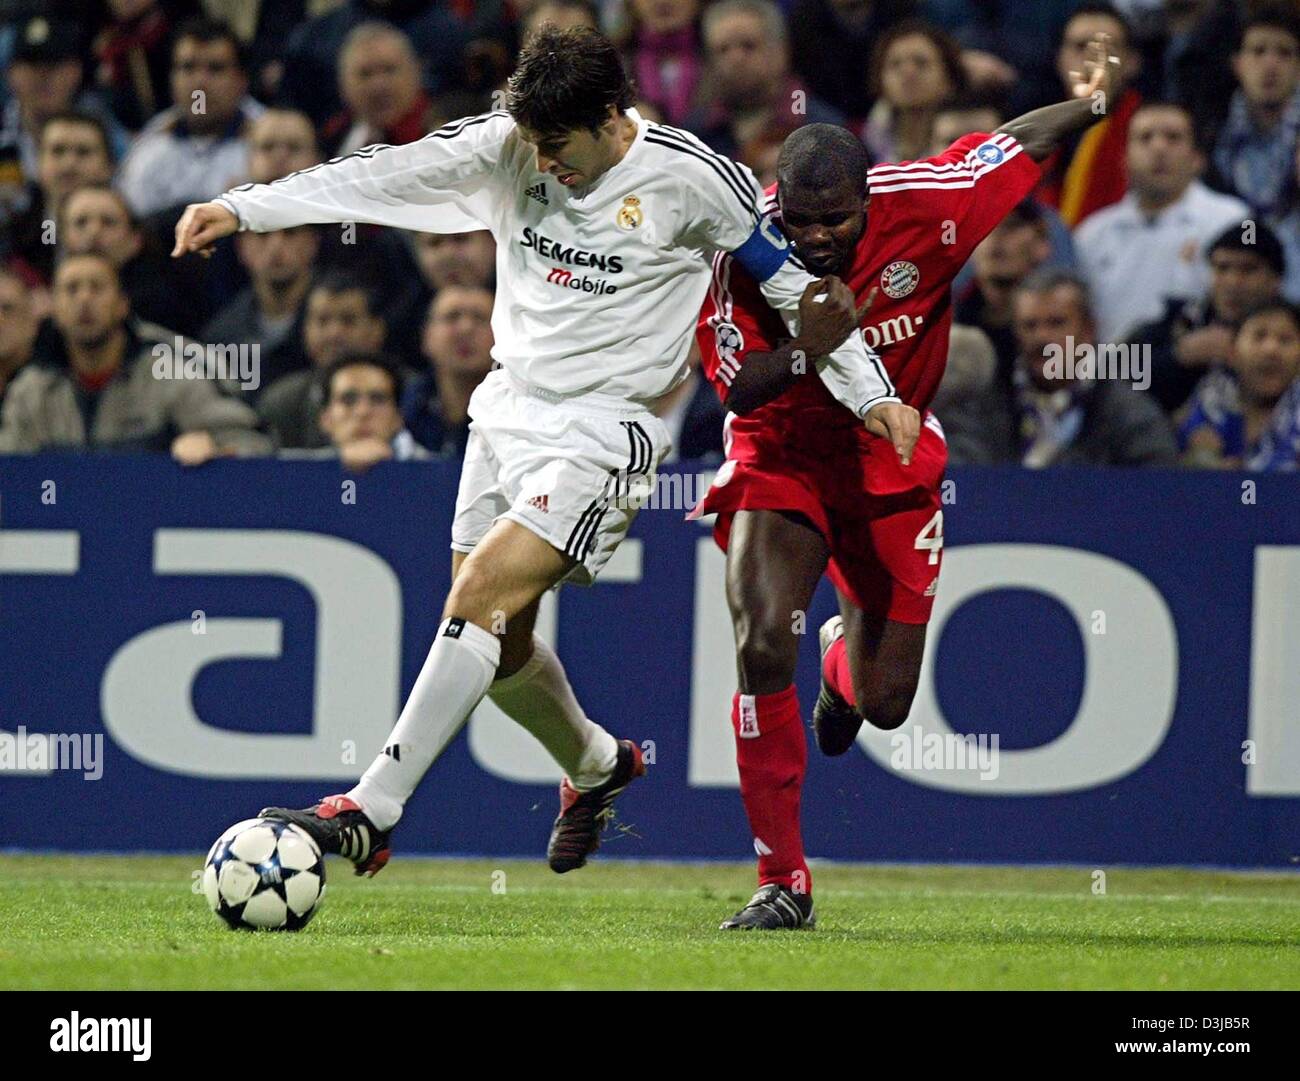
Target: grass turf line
[(99, 922)]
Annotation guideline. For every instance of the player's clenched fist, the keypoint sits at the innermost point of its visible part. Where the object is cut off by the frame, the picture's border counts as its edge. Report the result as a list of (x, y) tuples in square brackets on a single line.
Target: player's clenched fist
[(201, 226), (827, 315), (900, 424)]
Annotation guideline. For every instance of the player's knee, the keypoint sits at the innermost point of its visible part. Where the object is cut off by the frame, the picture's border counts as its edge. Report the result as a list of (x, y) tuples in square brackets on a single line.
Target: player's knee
[(885, 703), (472, 597), (767, 652)]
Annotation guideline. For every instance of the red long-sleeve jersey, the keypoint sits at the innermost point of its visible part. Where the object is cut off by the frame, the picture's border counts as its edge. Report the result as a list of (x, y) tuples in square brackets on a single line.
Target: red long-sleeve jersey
[(924, 220)]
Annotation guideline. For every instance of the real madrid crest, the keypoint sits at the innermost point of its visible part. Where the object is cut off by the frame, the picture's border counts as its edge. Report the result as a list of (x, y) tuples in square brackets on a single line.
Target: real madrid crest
[(630, 215), (899, 279)]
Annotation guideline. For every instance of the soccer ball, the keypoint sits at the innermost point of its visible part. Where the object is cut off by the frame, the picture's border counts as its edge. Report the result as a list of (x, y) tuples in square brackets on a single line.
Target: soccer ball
[(264, 875)]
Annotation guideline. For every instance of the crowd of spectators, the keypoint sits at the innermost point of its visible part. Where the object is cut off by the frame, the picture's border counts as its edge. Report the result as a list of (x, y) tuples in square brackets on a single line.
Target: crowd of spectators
[(1167, 235)]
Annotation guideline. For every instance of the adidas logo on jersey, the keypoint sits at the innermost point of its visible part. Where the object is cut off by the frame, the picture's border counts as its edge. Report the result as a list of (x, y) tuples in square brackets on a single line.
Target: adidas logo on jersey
[(541, 502), (538, 192), (931, 589)]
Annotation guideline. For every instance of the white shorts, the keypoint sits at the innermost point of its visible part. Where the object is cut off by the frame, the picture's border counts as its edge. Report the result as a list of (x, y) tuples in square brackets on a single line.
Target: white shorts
[(560, 469)]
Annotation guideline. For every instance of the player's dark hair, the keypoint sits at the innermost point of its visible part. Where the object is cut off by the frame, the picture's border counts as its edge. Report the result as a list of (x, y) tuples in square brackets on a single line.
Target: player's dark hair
[(381, 361), (1273, 16), (567, 80), (206, 30), (1270, 307), (817, 157), (1261, 242), (335, 281), (86, 120), (949, 54), (1099, 7)]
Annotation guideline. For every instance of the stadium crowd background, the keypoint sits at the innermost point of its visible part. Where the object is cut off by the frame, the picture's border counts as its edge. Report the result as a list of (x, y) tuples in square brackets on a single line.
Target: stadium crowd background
[(1174, 224)]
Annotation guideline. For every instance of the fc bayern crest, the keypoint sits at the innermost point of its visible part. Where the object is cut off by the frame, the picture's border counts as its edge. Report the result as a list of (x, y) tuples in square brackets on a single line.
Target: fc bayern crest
[(990, 153), (899, 279)]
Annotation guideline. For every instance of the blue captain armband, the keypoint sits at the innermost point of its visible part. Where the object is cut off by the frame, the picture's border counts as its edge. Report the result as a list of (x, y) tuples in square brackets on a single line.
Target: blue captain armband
[(765, 252)]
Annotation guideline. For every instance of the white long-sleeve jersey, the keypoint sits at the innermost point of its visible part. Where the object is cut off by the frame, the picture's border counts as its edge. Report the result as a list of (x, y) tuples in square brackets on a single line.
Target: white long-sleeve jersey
[(598, 287)]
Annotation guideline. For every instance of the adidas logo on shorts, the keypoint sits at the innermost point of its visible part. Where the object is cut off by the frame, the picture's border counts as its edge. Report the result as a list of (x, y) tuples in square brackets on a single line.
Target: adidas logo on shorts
[(541, 502), (538, 192)]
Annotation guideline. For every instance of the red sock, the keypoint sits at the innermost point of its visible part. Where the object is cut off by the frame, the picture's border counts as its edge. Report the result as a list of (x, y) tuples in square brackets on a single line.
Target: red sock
[(835, 667), (772, 751)]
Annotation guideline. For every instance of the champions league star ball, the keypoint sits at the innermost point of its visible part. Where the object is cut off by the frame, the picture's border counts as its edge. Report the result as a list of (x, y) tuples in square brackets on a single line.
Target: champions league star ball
[(264, 875)]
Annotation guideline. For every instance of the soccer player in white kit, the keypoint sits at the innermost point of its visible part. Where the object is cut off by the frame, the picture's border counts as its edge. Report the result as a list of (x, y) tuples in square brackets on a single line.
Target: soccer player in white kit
[(605, 226)]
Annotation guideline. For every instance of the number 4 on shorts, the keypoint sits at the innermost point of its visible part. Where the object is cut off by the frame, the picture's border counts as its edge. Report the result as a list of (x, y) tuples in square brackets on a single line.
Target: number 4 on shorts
[(931, 537)]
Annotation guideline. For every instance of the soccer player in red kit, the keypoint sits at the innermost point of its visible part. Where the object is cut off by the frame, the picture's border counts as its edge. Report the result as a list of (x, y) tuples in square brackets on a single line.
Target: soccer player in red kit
[(806, 489)]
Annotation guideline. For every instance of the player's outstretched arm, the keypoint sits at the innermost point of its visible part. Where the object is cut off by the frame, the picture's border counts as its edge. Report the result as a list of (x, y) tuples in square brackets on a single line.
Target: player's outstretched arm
[(443, 183), (1041, 131)]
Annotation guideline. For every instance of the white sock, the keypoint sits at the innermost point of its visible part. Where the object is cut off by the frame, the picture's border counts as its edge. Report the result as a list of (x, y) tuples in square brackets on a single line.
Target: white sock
[(539, 698), (455, 676)]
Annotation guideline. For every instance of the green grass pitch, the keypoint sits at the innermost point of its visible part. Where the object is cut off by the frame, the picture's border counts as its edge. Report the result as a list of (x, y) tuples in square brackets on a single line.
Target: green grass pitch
[(134, 922)]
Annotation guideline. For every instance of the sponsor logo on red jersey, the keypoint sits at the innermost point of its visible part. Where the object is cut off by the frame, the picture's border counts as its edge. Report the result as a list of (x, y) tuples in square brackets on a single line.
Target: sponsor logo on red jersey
[(892, 331)]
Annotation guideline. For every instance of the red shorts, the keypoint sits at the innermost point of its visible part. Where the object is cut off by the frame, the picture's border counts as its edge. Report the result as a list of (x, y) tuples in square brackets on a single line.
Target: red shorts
[(882, 521)]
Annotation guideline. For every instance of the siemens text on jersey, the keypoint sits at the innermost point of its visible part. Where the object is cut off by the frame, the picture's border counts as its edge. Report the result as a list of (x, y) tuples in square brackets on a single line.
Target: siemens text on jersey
[(564, 253)]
